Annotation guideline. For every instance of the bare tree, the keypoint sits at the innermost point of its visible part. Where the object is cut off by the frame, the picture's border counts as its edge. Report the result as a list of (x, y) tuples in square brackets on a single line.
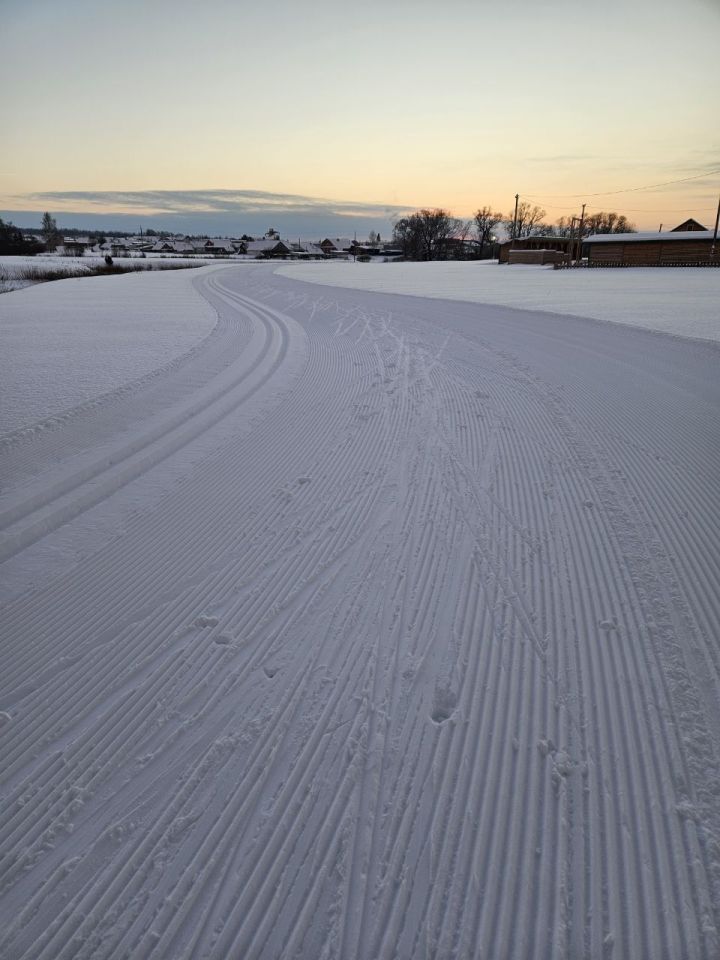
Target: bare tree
[(426, 234), (461, 245), (485, 220), (528, 220), (609, 223), (597, 223), (50, 231)]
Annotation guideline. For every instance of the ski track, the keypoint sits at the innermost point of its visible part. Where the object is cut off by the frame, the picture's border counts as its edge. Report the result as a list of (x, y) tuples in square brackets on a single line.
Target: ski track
[(417, 659)]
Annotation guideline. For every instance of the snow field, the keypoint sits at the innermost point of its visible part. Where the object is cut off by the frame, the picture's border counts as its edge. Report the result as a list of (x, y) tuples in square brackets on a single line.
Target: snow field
[(17, 273), (70, 342), (417, 659), (681, 301)]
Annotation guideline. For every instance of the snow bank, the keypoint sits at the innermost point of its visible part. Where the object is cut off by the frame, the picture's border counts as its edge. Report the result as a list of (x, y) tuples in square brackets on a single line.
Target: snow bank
[(73, 340), (678, 301), (19, 272)]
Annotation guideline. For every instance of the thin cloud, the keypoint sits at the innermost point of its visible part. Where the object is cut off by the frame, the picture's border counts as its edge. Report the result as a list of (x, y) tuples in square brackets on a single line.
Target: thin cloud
[(213, 212), (237, 202)]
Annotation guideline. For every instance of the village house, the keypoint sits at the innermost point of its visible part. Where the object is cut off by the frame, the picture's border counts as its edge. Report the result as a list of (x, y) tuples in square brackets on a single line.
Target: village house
[(76, 246), (118, 247), (539, 249), (305, 249), (215, 246), (693, 247), (688, 225), (267, 248), (172, 246), (337, 246), (365, 249), (183, 246)]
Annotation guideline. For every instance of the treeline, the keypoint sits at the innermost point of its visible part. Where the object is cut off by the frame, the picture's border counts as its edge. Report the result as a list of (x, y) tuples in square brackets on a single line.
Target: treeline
[(437, 235), (13, 243)]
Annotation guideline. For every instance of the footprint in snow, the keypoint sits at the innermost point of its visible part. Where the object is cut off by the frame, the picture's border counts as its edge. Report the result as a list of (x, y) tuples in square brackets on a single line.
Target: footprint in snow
[(270, 672), (608, 625), (546, 746), (444, 704), (204, 621)]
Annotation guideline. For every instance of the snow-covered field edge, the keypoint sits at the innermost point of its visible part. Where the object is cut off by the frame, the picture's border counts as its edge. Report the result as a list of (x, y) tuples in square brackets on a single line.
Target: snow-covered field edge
[(680, 301)]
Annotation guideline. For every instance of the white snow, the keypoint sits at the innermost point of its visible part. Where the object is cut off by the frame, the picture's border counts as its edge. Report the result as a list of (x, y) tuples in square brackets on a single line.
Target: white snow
[(353, 626), (19, 272), (643, 237), (682, 301), (68, 342)]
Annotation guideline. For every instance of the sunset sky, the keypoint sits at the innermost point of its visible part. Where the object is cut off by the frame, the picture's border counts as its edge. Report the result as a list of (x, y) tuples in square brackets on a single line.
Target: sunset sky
[(231, 117)]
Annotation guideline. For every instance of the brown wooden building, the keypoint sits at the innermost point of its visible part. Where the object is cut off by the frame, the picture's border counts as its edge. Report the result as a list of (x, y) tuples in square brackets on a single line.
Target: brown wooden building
[(675, 248), (560, 244), (688, 225)]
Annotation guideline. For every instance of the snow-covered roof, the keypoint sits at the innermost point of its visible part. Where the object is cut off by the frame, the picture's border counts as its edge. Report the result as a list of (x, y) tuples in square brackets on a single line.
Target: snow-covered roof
[(534, 238), (259, 246), (340, 243), (307, 246), (687, 223), (655, 235), (216, 243)]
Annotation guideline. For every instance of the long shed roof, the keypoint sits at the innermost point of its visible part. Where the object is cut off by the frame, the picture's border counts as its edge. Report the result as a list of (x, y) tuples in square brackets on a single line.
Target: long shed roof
[(670, 235)]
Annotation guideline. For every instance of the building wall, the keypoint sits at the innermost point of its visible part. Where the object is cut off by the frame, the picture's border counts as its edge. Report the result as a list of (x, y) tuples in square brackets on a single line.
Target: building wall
[(536, 256), (652, 253), (532, 243)]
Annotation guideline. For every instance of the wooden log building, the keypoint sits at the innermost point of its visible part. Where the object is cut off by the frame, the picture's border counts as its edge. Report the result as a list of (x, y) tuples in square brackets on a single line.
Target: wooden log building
[(676, 248), (560, 244)]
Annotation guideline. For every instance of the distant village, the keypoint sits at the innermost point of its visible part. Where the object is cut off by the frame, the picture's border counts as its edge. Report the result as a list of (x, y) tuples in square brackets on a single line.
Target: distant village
[(270, 246), (603, 240), (688, 244)]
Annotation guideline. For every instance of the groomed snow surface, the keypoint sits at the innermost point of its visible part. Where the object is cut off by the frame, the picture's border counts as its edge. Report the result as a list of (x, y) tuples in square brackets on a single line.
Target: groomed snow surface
[(350, 625), (684, 301), (69, 342)]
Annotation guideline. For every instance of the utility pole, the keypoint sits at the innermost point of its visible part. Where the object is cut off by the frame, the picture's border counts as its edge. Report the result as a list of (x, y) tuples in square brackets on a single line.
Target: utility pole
[(573, 237), (660, 228), (580, 234), (514, 228)]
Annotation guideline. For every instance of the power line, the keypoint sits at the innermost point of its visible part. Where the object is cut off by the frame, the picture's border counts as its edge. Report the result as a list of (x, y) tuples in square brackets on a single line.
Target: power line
[(666, 210), (647, 186), (593, 206)]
